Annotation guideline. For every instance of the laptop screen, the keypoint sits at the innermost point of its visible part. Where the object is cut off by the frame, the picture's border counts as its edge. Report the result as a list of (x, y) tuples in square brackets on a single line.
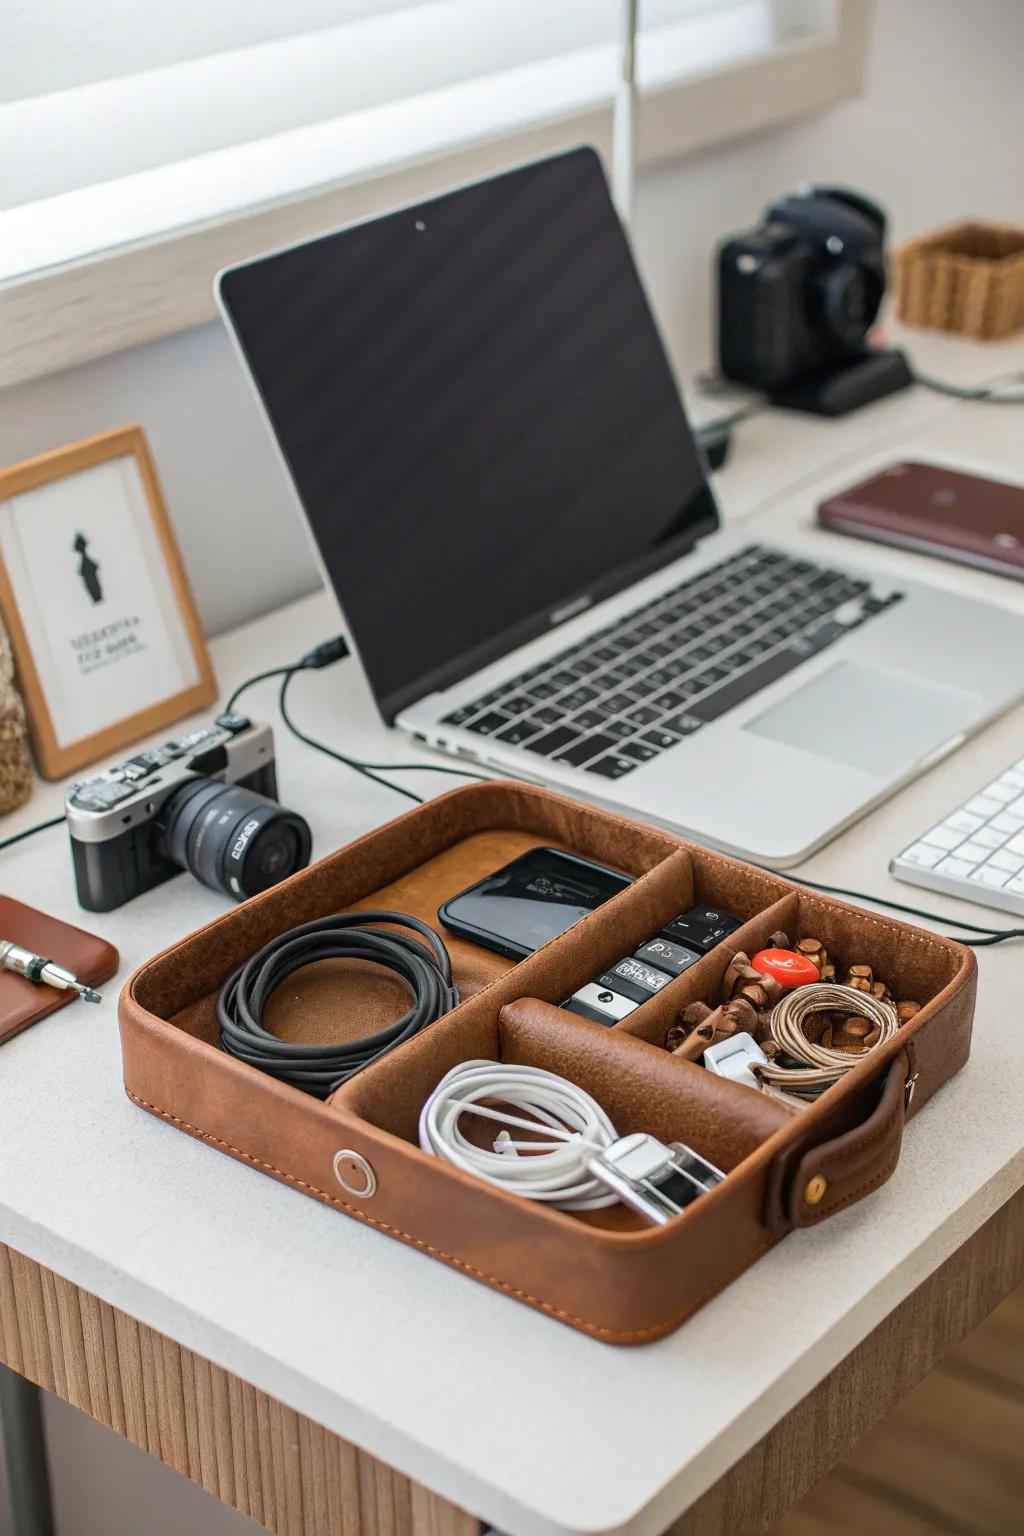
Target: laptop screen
[(478, 415)]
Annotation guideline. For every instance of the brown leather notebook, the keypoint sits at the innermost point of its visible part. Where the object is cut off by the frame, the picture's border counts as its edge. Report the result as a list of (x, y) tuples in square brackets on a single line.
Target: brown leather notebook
[(92, 959), (935, 510)]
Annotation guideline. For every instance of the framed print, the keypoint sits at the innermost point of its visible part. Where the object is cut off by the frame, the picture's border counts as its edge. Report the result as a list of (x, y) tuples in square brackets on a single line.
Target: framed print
[(106, 639)]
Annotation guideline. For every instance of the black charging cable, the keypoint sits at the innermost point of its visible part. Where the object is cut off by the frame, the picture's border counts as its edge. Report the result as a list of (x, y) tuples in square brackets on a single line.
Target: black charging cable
[(368, 770), (323, 655), (319, 1069), (320, 656), (40, 826), (989, 935), (990, 393)]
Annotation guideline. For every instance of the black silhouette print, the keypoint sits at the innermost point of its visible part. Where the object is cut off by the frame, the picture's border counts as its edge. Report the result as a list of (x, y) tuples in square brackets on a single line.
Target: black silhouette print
[(88, 569)]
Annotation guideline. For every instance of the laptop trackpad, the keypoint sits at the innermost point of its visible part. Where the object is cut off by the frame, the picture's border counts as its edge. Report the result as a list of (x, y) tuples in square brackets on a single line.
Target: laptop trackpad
[(867, 718)]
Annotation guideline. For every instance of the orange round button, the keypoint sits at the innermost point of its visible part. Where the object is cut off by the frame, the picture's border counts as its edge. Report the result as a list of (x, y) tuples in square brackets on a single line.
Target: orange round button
[(788, 968)]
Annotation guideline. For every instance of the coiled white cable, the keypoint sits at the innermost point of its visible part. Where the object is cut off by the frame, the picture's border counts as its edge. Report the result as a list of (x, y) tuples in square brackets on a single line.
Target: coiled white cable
[(553, 1171)]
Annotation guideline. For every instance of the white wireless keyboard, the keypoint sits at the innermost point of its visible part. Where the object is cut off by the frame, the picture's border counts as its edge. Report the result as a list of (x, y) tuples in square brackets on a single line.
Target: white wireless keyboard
[(977, 851)]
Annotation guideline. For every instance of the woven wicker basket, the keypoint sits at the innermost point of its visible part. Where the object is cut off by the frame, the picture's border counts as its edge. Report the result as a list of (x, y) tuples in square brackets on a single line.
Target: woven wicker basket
[(15, 767), (968, 278)]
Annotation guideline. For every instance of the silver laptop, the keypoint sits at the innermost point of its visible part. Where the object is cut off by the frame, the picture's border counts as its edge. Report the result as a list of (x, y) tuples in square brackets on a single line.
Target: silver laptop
[(479, 419)]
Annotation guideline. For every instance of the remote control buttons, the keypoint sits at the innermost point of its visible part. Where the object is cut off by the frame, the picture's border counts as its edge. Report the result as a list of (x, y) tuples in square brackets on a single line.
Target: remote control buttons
[(667, 956)]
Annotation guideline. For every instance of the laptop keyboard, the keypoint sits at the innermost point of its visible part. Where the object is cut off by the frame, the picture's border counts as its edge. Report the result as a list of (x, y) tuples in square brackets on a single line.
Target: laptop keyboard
[(639, 686)]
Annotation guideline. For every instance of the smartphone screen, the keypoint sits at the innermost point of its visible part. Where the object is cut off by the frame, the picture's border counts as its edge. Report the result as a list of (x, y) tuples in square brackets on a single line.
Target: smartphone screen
[(533, 899)]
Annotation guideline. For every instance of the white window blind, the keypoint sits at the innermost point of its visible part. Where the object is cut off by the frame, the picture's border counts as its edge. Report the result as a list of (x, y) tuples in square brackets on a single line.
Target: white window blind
[(94, 92), (146, 143)]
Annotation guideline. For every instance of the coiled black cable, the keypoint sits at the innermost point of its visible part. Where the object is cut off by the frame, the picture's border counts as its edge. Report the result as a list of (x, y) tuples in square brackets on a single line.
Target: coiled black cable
[(319, 1069)]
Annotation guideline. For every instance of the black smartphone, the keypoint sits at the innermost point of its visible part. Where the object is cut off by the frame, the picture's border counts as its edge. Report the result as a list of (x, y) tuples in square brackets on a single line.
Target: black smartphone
[(535, 898)]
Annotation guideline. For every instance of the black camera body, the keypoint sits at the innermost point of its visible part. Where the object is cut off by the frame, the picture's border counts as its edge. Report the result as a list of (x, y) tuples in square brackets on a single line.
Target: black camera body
[(798, 296), (206, 802)]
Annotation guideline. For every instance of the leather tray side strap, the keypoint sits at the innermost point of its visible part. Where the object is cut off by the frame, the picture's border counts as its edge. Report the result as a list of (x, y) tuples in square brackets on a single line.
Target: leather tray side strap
[(608, 1275)]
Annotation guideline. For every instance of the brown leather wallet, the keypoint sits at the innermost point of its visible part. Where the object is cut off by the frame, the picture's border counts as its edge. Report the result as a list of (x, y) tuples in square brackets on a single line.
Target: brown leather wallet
[(22, 1003), (606, 1272)]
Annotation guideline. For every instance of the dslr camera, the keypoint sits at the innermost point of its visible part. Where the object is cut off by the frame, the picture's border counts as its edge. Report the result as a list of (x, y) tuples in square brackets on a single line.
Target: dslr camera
[(206, 802), (797, 297)]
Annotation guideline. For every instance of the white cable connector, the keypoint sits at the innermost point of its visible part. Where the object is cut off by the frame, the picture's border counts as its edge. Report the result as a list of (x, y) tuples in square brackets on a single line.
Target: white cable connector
[(556, 1170), (585, 1166)]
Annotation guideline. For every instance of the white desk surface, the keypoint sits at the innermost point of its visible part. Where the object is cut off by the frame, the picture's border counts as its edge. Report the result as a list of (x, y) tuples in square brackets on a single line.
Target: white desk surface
[(533, 1427)]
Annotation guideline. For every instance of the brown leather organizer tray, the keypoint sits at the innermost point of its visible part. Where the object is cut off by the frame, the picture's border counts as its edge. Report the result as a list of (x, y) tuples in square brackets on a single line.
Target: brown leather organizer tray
[(606, 1273)]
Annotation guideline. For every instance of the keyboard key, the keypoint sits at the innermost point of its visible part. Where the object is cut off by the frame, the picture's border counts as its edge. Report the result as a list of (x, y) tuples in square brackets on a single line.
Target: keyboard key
[(553, 741), (517, 705), (923, 854), (589, 719), (745, 685), (582, 751), (818, 639), (943, 837), (964, 821), (986, 875), (645, 715), (957, 869), (1005, 858), (620, 729), (1006, 824), (570, 702), (682, 725), (1016, 844), (641, 750), (519, 731), (548, 715), (460, 716), (613, 767), (987, 838), (487, 724), (976, 852), (1001, 792), (660, 739)]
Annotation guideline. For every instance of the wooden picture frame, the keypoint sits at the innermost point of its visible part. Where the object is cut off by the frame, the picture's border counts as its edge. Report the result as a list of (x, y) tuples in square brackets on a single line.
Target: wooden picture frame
[(108, 544)]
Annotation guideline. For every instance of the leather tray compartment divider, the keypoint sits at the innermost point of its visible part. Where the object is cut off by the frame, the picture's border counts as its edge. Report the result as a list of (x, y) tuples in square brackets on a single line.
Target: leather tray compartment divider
[(606, 1273)]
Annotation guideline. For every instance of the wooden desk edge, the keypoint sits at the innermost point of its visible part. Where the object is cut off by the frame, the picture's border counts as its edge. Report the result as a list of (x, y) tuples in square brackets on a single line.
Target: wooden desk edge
[(298, 1479)]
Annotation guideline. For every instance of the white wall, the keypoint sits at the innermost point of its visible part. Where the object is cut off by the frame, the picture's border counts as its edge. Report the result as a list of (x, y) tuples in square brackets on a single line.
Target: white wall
[(936, 137)]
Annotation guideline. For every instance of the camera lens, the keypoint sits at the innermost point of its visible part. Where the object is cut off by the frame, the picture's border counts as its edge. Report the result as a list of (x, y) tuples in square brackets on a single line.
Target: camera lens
[(850, 300), (231, 838)]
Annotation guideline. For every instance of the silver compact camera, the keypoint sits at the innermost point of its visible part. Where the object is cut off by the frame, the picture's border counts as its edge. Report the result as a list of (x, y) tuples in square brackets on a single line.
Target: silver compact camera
[(205, 802)]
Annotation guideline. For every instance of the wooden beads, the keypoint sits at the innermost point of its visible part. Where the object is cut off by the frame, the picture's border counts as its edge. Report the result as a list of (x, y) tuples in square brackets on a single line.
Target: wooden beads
[(814, 951), (689, 1039), (742, 980), (749, 996)]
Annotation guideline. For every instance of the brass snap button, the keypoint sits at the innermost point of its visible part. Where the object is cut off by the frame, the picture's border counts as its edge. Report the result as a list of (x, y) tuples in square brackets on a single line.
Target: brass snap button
[(354, 1174), (815, 1190)]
